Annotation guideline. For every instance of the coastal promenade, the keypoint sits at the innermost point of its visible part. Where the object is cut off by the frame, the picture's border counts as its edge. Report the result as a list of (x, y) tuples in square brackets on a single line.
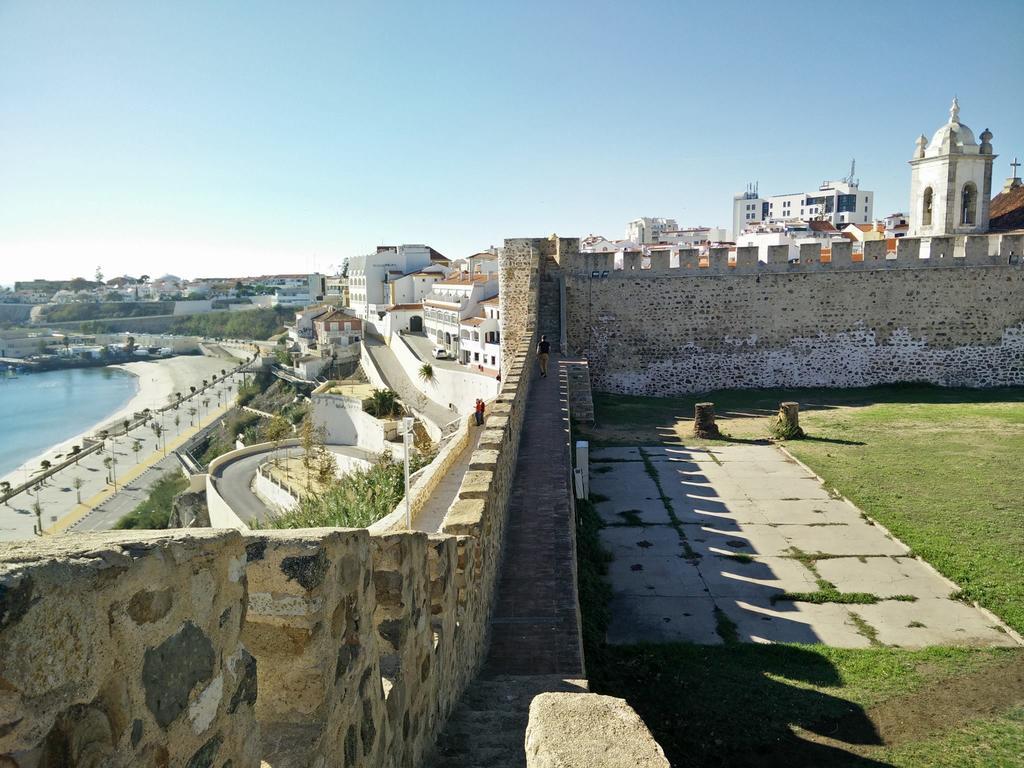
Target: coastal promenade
[(62, 505)]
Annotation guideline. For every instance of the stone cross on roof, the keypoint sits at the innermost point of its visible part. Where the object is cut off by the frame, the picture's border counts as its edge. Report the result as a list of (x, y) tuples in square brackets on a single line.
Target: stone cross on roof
[(1015, 165)]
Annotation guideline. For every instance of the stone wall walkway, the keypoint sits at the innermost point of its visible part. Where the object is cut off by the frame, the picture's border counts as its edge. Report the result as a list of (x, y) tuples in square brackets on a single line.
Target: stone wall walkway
[(535, 642), (534, 627)]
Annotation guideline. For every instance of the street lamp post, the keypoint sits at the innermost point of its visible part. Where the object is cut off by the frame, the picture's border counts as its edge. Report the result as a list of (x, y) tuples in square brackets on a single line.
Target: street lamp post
[(406, 439)]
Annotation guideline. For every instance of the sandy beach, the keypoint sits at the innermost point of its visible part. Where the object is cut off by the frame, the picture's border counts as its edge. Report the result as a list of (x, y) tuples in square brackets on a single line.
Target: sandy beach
[(158, 380)]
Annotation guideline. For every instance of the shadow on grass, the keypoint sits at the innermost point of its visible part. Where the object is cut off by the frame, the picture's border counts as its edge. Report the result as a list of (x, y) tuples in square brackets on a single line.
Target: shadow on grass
[(733, 705)]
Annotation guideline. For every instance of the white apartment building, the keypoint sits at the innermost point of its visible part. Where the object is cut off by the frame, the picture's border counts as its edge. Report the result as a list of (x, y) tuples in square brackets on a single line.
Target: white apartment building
[(480, 338), (793, 233), (415, 287), (839, 202), (648, 230), (450, 302), (369, 276), (694, 237)]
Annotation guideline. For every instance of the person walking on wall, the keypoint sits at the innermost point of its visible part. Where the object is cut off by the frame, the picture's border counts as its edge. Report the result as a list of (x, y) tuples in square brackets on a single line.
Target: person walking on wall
[(543, 349), (479, 412)]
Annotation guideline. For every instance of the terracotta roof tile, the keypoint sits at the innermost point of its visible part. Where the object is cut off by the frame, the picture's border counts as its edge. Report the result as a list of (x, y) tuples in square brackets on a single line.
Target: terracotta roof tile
[(1007, 211)]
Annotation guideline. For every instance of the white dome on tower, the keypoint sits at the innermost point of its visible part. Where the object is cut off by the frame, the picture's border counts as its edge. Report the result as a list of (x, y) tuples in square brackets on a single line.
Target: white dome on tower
[(953, 137)]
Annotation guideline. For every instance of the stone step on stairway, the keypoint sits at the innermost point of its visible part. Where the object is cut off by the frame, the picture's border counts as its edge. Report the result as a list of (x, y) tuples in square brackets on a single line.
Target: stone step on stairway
[(488, 727)]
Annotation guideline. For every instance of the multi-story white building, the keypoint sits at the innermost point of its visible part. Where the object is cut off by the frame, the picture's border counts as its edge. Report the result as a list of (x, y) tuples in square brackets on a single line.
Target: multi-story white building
[(693, 237), (369, 276), (839, 202), (450, 302), (480, 338), (648, 230), (792, 233)]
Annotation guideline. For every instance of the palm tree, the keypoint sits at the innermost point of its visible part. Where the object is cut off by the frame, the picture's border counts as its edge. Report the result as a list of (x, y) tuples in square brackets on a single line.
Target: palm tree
[(75, 450), (126, 423), (77, 483), (206, 403), (110, 463), (426, 373), (191, 413), (5, 488), (136, 448), (177, 424), (159, 432), (44, 467), (37, 507)]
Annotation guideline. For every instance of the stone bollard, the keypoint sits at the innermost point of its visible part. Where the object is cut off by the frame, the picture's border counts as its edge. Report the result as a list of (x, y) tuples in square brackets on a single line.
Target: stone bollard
[(704, 421), (787, 425)]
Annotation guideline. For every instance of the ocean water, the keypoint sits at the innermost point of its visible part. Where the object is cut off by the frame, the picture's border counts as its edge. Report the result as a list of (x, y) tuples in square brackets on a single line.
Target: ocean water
[(40, 410)]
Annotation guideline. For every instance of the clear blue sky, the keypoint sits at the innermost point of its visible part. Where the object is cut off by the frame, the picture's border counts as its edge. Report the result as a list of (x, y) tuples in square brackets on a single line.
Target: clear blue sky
[(245, 137)]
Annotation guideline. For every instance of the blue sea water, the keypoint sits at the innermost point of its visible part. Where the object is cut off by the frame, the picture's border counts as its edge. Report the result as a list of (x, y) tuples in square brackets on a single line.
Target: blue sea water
[(40, 410)]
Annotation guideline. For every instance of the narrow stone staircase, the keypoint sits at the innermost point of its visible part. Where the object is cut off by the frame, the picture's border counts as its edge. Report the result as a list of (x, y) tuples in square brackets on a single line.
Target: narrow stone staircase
[(488, 727), (549, 321)]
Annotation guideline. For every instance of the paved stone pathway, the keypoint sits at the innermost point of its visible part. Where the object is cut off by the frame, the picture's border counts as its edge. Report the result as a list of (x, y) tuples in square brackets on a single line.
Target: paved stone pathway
[(431, 516), (534, 628), (711, 541), (535, 645)]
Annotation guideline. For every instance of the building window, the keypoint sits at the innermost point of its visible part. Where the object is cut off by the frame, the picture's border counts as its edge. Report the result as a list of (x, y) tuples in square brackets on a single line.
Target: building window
[(968, 204), (926, 208)]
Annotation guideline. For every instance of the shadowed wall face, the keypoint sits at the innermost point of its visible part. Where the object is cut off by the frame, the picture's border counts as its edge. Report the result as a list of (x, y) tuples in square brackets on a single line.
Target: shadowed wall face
[(662, 335)]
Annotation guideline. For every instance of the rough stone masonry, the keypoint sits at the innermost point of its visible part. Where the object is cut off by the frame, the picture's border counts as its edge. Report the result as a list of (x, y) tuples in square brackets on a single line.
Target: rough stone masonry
[(671, 331)]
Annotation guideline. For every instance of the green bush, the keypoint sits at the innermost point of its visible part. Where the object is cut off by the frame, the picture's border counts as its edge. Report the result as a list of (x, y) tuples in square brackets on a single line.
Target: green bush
[(155, 511), (360, 498)]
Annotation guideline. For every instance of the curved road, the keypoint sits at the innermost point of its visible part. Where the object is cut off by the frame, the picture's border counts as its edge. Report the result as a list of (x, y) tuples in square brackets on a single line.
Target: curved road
[(233, 481)]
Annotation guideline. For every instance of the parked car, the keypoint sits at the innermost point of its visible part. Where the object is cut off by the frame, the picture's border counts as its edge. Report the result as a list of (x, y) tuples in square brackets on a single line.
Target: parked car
[(440, 353)]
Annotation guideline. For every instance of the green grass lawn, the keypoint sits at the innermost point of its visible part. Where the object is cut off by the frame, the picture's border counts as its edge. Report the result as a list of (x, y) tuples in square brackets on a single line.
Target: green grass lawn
[(942, 469)]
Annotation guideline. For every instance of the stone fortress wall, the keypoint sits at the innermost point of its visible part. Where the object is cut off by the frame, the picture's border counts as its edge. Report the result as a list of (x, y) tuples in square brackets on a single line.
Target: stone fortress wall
[(949, 311), (215, 648)]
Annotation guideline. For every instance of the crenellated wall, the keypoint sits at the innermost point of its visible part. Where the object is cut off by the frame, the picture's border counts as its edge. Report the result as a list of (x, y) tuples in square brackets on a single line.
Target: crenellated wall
[(944, 310), (212, 648)]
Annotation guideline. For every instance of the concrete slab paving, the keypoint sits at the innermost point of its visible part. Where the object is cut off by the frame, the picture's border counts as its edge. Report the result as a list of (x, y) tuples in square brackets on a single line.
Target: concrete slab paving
[(635, 541), (737, 538), (656, 576), (885, 576), (759, 621), (853, 539), (931, 621), (662, 620), (677, 454), (615, 454), (753, 501), (626, 487), (759, 578)]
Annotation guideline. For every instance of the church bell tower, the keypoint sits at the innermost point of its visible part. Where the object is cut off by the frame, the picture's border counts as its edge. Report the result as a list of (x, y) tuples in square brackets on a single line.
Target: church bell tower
[(951, 181)]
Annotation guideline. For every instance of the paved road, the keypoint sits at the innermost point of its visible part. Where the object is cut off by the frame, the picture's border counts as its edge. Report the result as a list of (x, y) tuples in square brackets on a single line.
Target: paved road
[(105, 515), (395, 377), (233, 482)]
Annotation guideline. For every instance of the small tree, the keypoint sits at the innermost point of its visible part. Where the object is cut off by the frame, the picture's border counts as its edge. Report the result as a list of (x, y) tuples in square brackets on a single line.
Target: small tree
[(191, 414), (44, 467), (37, 507), (277, 430), (77, 484), (126, 423), (159, 432), (75, 451), (136, 449), (177, 423), (5, 489), (426, 373)]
